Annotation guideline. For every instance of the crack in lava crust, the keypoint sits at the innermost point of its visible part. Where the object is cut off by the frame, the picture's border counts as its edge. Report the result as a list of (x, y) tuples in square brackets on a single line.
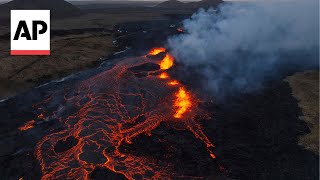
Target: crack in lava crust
[(104, 112)]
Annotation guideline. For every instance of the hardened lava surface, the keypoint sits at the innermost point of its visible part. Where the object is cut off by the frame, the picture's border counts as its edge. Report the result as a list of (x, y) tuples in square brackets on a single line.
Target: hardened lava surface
[(112, 123)]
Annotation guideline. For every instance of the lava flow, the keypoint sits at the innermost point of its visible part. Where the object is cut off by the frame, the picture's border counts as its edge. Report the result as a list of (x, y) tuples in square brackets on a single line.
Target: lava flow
[(27, 126), (180, 30), (156, 51), (183, 102), (164, 75), (173, 83), (108, 111), (167, 62)]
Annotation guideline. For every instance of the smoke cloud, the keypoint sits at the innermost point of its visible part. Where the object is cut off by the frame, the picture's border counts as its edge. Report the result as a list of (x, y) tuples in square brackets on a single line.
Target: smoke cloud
[(244, 45)]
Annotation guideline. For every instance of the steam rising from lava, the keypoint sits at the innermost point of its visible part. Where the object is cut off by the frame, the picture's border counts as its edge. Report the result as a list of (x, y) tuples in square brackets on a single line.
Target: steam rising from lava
[(245, 44)]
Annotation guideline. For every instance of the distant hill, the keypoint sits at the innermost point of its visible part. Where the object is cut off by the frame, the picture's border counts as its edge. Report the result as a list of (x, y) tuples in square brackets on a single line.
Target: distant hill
[(206, 3), (192, 5), (172, 4), (59, 8)]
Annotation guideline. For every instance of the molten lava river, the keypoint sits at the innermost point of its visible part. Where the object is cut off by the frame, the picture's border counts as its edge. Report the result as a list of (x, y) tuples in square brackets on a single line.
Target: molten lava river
[(111, 109)]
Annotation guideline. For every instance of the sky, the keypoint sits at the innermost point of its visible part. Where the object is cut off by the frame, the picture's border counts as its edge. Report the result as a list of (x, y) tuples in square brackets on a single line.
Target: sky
[(112, 0), (2, 1)]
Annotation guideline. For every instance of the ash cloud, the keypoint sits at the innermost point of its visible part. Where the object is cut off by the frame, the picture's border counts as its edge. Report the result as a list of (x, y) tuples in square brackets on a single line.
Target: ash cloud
[(245, 45)]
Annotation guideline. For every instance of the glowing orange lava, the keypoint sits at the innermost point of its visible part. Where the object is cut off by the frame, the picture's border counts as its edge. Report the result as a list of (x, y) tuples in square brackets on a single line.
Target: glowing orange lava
[(110, 110), (41, 116), (173, 83), (180, 30), (167, 62), (156, 51), (183, 103), (164, 75), (27, 125), (212, 156)]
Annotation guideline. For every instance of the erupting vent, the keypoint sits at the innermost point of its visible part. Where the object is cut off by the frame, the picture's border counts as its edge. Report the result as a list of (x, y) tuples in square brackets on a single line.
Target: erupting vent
[(164, 75), (110, 110), (183, 102), (156, 51), (167, 62)]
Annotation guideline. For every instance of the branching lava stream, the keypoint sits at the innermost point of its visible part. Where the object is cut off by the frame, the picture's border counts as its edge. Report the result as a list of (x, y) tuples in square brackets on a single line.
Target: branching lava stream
[(111, 109)]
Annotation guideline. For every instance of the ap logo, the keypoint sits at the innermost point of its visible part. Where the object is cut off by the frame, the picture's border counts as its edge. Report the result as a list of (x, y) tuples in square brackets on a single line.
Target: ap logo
[(30, 32)]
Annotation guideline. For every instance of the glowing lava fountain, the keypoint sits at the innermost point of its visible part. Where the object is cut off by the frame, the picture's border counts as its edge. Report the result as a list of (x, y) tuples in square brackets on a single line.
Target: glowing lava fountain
[(183, 102), (167, 62), (156, 51)]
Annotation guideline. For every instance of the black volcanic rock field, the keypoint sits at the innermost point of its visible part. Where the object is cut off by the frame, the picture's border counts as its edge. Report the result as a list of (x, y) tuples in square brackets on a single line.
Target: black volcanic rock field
[(112, 103)]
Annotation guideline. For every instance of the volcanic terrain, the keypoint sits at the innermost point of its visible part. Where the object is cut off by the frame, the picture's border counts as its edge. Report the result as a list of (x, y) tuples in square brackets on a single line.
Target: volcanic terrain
[(141, 114)]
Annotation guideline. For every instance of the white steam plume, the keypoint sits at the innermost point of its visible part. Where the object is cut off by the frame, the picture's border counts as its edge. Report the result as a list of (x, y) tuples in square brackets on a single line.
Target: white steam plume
[(245, 44)]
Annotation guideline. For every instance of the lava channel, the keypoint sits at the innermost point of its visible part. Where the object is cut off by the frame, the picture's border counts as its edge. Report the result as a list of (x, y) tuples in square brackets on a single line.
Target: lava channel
[(105, 111)]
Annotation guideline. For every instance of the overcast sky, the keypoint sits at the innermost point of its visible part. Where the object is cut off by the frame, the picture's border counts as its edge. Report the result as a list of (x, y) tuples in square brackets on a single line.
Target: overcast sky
[(2, 1), (114, 0)]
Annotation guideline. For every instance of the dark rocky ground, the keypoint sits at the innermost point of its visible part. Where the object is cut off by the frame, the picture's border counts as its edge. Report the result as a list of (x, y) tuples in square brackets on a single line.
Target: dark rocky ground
[(257, 136)]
